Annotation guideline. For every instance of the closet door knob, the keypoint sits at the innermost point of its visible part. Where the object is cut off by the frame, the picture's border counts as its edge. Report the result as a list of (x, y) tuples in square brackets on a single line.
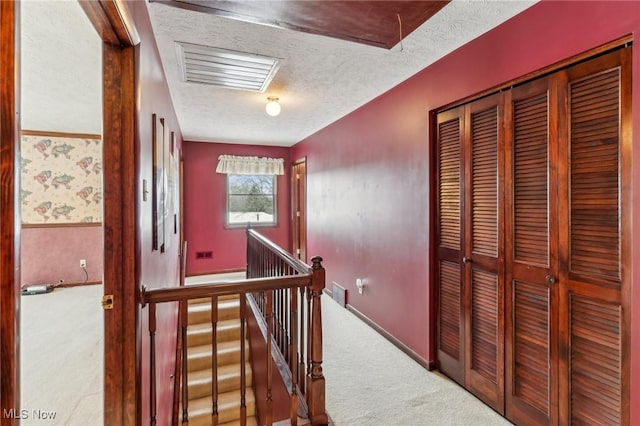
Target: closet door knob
[(466, 259), (549, 279)]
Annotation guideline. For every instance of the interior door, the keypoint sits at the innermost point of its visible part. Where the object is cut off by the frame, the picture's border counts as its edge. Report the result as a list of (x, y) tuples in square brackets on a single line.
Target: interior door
[(595, 289), (483, 261), (532, 254), (449, 221), (299, 208)]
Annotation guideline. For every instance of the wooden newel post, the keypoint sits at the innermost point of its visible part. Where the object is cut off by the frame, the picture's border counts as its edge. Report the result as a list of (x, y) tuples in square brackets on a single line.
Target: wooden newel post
[(315, 378)]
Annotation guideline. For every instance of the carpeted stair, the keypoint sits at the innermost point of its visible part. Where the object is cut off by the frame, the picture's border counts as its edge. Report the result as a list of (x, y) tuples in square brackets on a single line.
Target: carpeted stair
[(199, 364)]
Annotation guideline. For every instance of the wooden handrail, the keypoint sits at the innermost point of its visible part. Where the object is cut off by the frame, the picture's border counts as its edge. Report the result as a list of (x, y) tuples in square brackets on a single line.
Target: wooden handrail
[(197, 291), (284, 294), (297, 264)]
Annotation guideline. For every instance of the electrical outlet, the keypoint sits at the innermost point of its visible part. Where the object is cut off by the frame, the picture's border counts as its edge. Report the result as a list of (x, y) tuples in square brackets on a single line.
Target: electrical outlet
[(83, 263)]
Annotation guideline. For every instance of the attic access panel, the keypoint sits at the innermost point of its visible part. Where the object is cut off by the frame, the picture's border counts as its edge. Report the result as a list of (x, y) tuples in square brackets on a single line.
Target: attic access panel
[(373, 23)]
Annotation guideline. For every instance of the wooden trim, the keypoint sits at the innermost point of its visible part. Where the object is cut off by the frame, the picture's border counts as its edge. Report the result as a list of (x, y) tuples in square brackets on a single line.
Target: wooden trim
[(565, 63), (62, 225), (9, 209), (180, 361), (100, 21), (258, 335), (626, 222), (125, 28), (112, 21), (429, 365), (59, 134), (433, 303), (122, 364)]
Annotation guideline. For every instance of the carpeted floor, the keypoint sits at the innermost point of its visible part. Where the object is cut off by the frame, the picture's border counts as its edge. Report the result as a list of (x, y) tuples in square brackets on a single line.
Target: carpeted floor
[(61, 346), (371, 382)]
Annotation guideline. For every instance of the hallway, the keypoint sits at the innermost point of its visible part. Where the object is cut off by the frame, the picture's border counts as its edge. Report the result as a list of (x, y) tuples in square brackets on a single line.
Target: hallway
[(371, 382)]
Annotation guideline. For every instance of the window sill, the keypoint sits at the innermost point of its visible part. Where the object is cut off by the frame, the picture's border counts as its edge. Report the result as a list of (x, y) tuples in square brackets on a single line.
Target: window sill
[(252, 225)]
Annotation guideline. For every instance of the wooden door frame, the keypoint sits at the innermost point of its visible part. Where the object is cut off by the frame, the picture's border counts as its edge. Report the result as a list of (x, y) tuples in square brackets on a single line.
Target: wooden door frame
[(115, 26), (9, 210), (122, 391), (295, 232)]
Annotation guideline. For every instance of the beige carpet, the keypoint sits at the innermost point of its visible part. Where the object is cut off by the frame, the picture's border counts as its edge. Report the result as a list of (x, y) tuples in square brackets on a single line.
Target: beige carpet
[(62, 338), (371, 382)]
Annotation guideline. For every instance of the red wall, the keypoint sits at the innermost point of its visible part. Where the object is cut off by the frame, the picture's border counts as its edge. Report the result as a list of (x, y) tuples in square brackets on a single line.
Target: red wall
[(155, 269), (368, 173), (205, 206), (53, 254)]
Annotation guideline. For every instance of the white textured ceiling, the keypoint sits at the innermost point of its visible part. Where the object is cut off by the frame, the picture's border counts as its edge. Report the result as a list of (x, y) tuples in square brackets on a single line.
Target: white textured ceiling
[(320, 79), (61, 68)]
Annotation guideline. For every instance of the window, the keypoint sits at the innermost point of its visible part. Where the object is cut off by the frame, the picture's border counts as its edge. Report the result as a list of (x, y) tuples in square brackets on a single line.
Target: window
[(251, 199)]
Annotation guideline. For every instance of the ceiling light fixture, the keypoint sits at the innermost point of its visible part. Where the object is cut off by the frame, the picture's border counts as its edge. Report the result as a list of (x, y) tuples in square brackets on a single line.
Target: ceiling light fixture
[(273, 107)]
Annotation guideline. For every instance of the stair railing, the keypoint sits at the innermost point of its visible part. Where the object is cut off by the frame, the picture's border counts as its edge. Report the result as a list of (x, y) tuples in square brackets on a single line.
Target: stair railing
[(291, 322), (292, 328)]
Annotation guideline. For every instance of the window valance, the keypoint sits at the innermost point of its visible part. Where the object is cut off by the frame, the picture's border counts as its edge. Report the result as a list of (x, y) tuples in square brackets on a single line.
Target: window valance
[(238, 165)]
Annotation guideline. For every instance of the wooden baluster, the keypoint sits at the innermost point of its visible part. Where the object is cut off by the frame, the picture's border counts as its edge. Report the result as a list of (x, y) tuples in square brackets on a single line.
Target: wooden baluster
[(152, 363), (316, 383), (284, 309), (243, 360), (308, 340), (293, 354), (287, 324), (279, 319), (272, 264), (184, 375), (301, 357), (265, 264), (250, 254), (214, 360), (288, 294), (269, 416), (263, 260)]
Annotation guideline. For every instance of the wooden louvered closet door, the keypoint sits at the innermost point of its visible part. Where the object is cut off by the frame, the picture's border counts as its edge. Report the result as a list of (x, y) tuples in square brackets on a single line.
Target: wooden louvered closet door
[(531, 254), (594, 291), (450, 333), (483, 251), (469, 263)]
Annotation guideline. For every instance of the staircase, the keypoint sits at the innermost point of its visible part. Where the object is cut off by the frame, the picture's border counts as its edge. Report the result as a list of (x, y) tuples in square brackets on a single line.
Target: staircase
[(199, 364), (283, 283)]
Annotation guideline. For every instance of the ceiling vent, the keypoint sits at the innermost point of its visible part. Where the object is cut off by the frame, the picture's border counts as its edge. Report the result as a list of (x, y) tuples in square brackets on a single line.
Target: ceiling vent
[(225, 68)]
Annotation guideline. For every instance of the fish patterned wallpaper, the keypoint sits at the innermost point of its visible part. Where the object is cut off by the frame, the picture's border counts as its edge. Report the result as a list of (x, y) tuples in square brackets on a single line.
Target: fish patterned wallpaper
[(61, 180)]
